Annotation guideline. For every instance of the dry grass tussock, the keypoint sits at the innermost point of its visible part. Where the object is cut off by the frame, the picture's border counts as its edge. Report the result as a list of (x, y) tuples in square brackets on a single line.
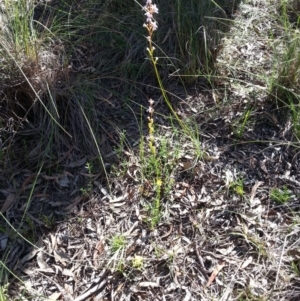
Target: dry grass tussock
[(61, 60), (213, 216), (31, 69), (29, 66), (259, 60)]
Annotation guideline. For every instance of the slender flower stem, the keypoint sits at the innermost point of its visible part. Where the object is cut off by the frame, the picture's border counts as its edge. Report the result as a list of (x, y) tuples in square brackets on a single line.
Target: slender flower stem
[(151, 26)]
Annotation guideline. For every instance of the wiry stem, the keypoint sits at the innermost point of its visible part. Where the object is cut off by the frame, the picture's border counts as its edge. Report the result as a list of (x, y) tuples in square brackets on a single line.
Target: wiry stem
[(151, 26)]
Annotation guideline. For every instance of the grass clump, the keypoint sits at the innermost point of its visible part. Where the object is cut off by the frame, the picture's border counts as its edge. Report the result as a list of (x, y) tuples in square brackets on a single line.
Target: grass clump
[(237, 186), (280, 195), (137, 262), (288, 79), (29, 70), (29, 67), (3, 293), (284, 85), (242, 124), (200, 26), (56, 56), (189, 49), (117, 243)]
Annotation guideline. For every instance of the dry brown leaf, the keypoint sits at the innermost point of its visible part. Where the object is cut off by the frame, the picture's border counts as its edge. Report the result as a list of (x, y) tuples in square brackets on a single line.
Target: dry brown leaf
[(53, 242), (186, 165), (100, 247), (50, 178), (215, 273), (29, 271), (227, 251), (116, 205), (8, 202), (42, 195), (40, 261), (64, 156), (77, 163), (53, 297), (45, 270), (98, 251), (61, 257), (247, 262), (74, 202), (29, 256), (254, 191), (57, 268), (168, 233), (56, 204), (188, 294), (148, 284), (27, 180), (67, 273), (118, 199), (64, 181), (294, 252)]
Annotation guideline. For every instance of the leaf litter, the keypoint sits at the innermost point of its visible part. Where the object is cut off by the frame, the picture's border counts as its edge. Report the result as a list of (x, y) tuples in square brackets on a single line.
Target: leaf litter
[(210, 244)]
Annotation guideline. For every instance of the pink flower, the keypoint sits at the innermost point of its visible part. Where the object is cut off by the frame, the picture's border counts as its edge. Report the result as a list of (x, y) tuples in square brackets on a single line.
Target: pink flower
[(150, 9), (154, 9)]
